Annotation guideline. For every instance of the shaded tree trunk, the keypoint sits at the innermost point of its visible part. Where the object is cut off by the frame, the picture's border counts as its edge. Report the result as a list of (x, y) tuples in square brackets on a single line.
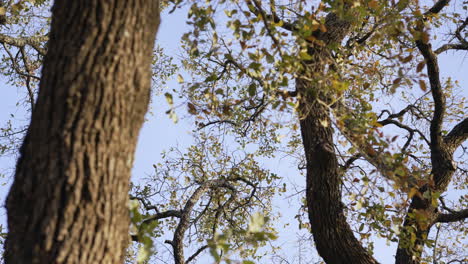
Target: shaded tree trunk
[(68, 202), (333, 236), (334, 239)]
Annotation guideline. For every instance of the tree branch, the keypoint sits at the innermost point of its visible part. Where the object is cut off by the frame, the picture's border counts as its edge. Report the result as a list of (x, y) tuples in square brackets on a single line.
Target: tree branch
[(34, 42), (452, 217), (200, 250), (459, 30), (162, 215), (446, 47), (177, 241), (437, 7), (457, 135), (259, 11), (436, 89), (350, 161), (463, 45), (405, 127)]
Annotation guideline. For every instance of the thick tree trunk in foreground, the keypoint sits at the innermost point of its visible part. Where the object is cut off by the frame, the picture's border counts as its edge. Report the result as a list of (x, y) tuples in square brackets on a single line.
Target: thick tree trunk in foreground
[(68, 202)]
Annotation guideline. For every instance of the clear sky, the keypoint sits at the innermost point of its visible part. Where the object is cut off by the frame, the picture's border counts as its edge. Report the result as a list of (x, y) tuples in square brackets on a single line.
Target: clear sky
[(160, 133)]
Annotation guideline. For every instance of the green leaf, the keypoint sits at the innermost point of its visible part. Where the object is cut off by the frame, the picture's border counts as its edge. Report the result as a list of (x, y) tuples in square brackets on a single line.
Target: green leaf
[(304, 55), (252, 89)]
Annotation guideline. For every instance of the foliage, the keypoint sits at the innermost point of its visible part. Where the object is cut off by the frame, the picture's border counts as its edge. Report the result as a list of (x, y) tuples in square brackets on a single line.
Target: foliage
[(247, 85), (206, 190)]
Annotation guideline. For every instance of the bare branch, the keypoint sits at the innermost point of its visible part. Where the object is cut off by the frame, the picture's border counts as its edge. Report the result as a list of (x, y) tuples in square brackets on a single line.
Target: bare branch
[(350, 161), (452, 217), (457, 135), (446, 47), (28, 79), (16, 66), (437, 7), (459, 30), (34, 42), (444, 206), (405, 127), (200, 250), (463, 45), (162, 215)]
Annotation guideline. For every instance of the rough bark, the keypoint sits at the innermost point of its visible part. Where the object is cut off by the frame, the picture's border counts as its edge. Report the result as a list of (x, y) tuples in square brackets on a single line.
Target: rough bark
[(334, 239), (333, 236), (68, 202)]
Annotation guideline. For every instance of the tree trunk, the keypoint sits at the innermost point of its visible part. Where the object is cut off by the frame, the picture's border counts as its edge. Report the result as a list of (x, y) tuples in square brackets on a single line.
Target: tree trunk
[(333, 236), (68, 202), (334, 239)]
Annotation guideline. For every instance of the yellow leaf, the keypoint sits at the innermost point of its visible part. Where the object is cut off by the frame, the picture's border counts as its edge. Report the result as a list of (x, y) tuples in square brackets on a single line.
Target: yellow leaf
[(412, 192), (323, 28), (279, 24), (169, 98), (180, 79), (324, 123), (311, 38)]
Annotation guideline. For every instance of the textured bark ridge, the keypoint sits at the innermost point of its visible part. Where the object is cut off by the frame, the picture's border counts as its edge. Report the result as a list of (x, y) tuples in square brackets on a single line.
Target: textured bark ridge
[(333, 236), (68, 202)]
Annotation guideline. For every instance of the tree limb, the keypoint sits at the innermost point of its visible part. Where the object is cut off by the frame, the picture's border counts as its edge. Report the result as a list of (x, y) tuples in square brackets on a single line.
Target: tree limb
[(162, 215), (200, 250), (437, 7), (34, 42), (184, 222), (457, 135), (259, 11), (446, 47), (452, 217)]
